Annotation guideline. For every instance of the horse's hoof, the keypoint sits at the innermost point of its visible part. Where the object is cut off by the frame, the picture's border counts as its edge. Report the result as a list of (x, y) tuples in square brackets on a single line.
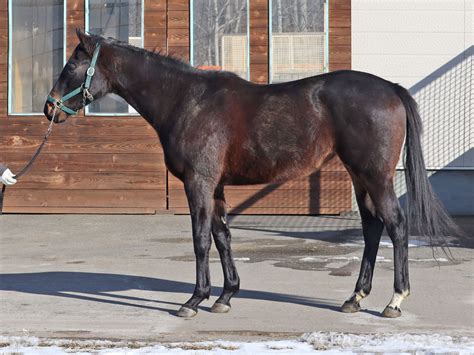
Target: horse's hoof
[(186, 312), (220, 308), (350, 307), (390, 312)]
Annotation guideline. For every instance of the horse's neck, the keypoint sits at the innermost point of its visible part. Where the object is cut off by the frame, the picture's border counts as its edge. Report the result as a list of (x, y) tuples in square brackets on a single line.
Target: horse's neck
[(152, 86)]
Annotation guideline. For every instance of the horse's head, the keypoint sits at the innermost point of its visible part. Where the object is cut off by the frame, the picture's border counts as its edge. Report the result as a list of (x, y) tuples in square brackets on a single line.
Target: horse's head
[(81, 79)]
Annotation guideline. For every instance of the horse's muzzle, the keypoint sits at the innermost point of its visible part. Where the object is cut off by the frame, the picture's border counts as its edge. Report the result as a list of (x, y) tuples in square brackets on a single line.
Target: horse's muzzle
[(59, 117)]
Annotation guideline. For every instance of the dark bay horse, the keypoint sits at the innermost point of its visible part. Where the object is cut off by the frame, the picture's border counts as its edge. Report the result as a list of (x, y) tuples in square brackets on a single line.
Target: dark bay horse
[(217, 129)]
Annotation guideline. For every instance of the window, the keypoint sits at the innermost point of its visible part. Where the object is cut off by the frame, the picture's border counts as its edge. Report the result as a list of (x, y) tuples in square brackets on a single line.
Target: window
[(298, 39), (122, 20), (36, 52), (219, 35)]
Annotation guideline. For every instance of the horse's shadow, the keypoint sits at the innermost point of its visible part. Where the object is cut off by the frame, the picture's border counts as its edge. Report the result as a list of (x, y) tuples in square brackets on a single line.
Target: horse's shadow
[(98, 287)]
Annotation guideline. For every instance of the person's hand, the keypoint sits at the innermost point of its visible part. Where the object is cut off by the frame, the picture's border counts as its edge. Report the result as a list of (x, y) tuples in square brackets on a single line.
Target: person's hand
[(8, 178)]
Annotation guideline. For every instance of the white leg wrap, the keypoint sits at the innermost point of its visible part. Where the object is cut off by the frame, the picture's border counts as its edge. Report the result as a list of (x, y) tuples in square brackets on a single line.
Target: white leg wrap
[(357, 296), (397, 299)]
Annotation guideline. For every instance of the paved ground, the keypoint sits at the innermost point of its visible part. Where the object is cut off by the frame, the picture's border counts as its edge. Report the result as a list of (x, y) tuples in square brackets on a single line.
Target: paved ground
[(123, 277)]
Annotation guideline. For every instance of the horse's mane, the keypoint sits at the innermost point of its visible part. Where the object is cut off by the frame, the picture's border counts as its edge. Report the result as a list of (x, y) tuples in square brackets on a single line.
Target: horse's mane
[(169, 59)]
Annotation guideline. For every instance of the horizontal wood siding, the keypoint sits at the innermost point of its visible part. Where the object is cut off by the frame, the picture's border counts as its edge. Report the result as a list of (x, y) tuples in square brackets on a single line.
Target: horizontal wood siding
[(90, 164), (115, 164), (326, 192)]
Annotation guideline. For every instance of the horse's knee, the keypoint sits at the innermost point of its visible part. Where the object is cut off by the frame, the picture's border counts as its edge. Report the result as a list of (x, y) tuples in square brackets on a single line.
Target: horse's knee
[(222, 244), (221, 233), (202, 245)]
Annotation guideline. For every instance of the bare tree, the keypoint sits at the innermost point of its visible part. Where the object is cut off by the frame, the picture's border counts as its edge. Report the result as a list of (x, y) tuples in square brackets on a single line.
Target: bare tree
[(298, 16), (212, 20)]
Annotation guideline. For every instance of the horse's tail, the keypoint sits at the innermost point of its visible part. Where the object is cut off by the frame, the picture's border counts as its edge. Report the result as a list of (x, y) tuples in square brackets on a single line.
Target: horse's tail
[(424, 211)]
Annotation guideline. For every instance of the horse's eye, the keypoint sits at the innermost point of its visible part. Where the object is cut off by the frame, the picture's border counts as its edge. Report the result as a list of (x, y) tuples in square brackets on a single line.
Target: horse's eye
[(71, 67)]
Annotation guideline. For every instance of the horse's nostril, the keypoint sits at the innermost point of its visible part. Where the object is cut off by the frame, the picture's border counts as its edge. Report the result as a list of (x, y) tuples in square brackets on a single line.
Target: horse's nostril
[(48, 110)]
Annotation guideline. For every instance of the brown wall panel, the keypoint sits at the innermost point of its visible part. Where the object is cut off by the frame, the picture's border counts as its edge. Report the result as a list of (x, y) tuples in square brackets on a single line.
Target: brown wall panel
[(339, 34), (75, 19), (259, 48), (326, 192), (81, 168), (178, 29), (90, 162), (84, 198), (3, 57), (340, 58), (81, 210), (155, 25), (83, 180), (77, 126), (100, 143), (277, 198)]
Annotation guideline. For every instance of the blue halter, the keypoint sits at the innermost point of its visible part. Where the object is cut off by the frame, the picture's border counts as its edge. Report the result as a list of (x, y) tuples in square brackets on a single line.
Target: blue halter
[(83, 89)]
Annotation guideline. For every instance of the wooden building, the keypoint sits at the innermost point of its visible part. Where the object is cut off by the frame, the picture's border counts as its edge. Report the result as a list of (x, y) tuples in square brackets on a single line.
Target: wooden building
[(102, 162)]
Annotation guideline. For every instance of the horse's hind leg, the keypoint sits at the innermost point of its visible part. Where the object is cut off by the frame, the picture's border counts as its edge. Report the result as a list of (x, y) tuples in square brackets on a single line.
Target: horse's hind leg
[(388, 208), (372, 228), (397, 229), (222, 238)]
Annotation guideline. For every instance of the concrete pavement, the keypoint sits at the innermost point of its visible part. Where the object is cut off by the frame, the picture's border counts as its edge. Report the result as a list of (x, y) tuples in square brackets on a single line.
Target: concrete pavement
[(123, 277)]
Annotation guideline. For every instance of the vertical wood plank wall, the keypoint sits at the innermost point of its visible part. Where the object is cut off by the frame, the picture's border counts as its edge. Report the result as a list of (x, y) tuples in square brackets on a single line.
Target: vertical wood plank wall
[(339, 34), (178, 28), (115, 164), (259, 41), (3, 60)]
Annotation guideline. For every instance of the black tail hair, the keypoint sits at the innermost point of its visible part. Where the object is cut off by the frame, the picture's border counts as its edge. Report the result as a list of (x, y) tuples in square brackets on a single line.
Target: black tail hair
[(424, 211)]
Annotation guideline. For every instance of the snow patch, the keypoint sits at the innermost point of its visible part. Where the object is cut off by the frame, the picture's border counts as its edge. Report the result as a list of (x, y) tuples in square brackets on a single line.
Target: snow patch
[(392, 343), (388, 244), (329, 258), (441, 260), (316, 343)]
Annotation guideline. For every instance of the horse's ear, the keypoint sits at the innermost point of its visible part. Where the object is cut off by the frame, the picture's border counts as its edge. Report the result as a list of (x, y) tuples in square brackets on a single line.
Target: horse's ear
[(88, 42)]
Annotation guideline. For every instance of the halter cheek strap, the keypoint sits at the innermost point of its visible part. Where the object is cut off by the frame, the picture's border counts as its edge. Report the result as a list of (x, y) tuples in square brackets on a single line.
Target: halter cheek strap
[(83, 89)]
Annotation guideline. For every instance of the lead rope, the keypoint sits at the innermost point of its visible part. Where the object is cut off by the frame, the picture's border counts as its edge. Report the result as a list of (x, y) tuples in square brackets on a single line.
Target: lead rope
[(33, 158)]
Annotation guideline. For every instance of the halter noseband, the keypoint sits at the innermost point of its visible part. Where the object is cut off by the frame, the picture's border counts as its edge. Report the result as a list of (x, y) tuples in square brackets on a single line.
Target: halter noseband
[(84, 88)]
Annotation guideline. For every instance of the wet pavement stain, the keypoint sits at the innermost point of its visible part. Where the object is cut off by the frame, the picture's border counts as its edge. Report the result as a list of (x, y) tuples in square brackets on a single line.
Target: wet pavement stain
[(175, 240), (291, 254)]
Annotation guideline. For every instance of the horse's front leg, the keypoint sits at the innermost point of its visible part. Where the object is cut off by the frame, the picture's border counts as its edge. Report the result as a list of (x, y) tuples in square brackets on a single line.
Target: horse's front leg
[(222, 238), (200, 198)]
